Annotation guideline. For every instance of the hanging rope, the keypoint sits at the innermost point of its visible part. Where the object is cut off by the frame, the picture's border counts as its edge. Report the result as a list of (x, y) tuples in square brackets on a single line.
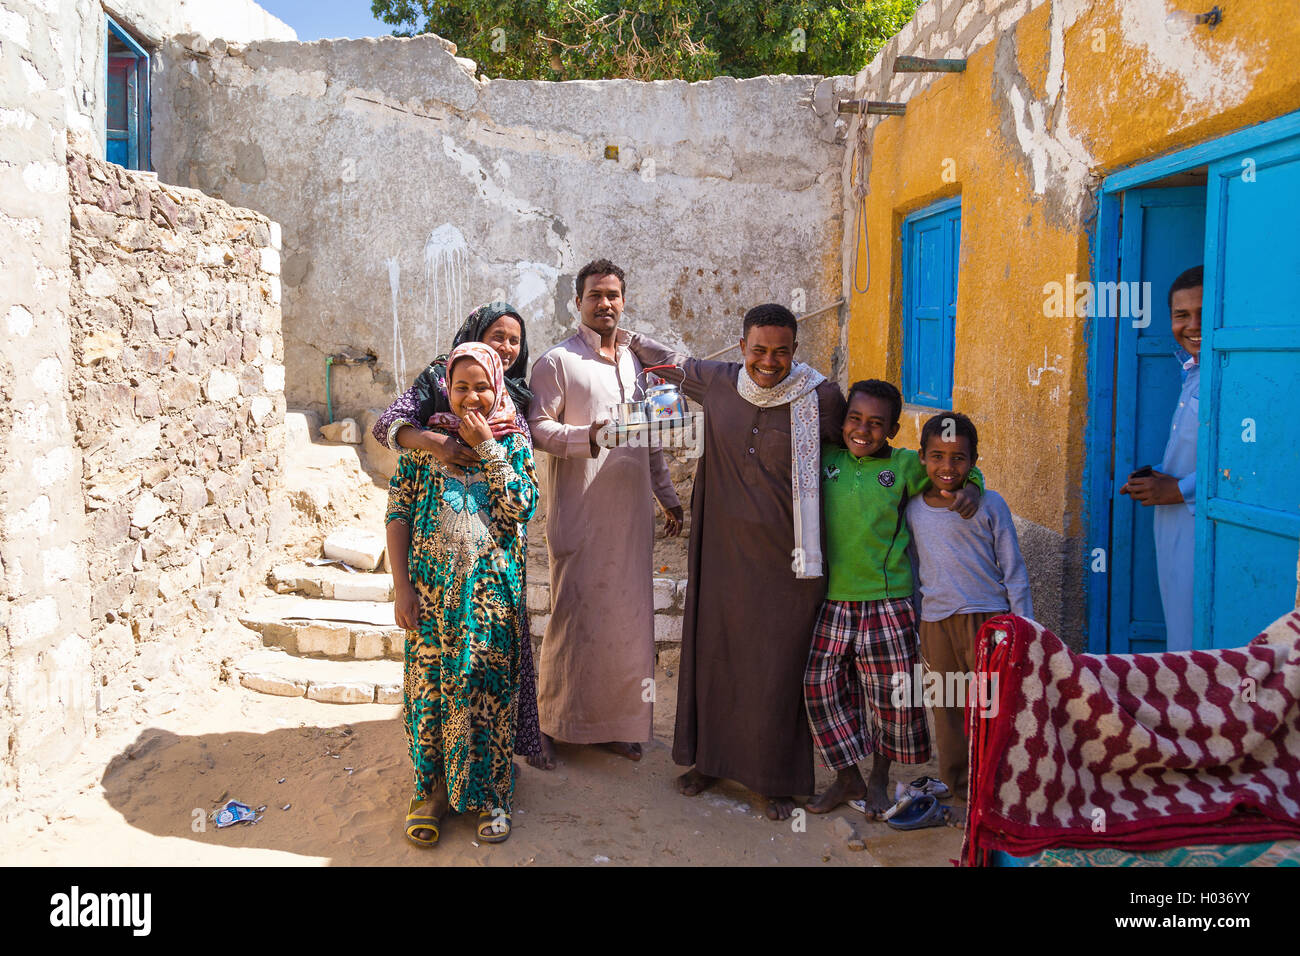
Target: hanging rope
[(860, 199)]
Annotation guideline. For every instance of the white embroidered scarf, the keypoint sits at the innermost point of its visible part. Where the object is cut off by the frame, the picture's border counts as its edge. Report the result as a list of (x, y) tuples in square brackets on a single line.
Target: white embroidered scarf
[(799, 391)]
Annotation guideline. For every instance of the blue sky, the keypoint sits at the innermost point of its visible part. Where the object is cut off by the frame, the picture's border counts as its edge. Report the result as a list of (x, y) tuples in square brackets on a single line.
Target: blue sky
[(327, 19)]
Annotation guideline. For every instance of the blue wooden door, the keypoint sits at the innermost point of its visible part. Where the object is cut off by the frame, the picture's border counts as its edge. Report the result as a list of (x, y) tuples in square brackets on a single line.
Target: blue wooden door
[(1248, 443), (932, 247), (120, 139), (1163, 234)]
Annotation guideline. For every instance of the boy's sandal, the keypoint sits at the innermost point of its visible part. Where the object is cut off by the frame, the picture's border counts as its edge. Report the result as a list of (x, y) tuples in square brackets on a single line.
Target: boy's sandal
[(925, 811), (419, 823), (902, 803), (493, 826), (930, 785), (877, 815)]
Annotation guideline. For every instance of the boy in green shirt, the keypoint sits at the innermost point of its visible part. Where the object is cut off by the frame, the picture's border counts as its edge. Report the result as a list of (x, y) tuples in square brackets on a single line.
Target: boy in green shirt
[(867, 623)]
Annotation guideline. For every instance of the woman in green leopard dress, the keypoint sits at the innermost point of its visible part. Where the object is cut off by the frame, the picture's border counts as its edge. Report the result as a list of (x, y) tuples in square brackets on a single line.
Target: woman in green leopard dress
[(456, 544)]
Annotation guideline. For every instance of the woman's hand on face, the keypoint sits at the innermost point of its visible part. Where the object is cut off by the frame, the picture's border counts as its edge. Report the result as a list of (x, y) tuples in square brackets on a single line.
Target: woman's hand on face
[(450, 451), (406, 608), (474, 428)]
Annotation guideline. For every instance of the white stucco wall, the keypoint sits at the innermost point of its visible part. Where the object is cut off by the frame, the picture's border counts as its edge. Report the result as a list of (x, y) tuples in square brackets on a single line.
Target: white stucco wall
[(410, 192)]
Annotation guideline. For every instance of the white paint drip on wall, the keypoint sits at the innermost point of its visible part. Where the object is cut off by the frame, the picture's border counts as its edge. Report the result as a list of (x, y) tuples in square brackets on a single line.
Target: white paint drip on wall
[(446, 255), (399, 352)]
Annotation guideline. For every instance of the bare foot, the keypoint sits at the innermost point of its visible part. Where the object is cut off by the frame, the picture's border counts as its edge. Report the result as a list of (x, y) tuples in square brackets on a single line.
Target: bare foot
[(877, 795), (632, 751), (955, 817), (546, 759), (693, 783), (779, 808), (848, 785)]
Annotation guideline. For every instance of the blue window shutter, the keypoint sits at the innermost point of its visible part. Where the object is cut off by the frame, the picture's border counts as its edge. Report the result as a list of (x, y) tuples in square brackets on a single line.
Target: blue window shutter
[(931, 252)]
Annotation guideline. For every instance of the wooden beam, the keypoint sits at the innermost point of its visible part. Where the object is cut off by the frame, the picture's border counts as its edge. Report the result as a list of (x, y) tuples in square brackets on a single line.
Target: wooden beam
[(874, 107)]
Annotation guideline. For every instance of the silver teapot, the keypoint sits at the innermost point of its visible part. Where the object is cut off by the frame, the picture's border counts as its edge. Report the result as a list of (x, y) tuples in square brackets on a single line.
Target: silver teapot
[(665, 402)]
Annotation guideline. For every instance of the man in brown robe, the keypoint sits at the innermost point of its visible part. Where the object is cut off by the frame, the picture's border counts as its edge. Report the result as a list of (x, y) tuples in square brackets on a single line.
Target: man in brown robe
[(595, 675), (752, 598)]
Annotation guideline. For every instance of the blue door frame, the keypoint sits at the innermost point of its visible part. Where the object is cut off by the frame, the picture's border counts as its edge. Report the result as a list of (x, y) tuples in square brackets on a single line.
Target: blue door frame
[(1164, 233), (1098, 462), (128, 146)]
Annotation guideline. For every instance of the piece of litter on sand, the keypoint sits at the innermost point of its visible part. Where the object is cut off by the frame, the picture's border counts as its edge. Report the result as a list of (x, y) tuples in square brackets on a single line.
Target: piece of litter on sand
[(600, 859), (281, 780), (261, 809), (234, 812), (856, 845), (318, 562), (286, 806), (474, 842)]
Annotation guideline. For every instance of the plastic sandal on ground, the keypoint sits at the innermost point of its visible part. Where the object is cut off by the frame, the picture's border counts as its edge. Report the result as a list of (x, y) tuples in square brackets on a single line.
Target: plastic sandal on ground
[(493, 826), (930, 785), (925, 811), (417, 821)]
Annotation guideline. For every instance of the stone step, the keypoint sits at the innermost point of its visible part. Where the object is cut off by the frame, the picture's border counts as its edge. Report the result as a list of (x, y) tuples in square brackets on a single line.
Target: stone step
[(363, 548), (329, 581), (318, 627), (332, 682)]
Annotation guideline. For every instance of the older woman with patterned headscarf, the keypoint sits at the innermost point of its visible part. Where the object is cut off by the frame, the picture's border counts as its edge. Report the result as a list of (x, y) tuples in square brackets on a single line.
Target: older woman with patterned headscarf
[(405, 425), (457, 547)]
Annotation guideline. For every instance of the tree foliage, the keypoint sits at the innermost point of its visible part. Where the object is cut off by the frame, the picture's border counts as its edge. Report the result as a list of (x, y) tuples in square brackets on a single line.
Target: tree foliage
[(655, 39)]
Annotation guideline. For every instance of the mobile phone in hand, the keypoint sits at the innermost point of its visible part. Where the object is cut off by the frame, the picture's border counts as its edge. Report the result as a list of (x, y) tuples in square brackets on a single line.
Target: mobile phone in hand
[(1142, 472)]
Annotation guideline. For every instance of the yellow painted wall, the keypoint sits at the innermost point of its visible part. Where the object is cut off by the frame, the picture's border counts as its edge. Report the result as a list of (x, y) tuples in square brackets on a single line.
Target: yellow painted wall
[(1120, 102)]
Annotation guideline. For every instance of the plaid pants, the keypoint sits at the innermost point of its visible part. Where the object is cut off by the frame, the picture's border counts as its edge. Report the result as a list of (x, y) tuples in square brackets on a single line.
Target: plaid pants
[(857, 647)]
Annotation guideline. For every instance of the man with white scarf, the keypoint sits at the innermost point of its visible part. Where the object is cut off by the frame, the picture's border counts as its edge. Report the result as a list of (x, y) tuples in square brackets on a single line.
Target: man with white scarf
[(755, 564)]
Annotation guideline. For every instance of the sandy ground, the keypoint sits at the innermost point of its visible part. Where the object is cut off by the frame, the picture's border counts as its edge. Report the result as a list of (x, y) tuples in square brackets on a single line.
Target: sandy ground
[(141, 797)]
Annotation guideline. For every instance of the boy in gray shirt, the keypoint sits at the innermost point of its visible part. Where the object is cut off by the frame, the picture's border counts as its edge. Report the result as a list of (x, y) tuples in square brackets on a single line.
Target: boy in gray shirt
[(968, 571)]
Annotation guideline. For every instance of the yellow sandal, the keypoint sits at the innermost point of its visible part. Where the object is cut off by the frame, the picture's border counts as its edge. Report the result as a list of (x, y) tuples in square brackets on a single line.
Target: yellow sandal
[(493, 826), (418, 819)]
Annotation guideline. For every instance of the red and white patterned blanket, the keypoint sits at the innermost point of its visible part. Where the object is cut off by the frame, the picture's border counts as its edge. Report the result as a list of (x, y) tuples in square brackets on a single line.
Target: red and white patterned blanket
[(1136, 751)]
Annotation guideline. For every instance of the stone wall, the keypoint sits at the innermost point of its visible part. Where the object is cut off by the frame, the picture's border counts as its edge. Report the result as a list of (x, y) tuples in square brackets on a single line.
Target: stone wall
[(411, 191), (178, 394), (51, 93)]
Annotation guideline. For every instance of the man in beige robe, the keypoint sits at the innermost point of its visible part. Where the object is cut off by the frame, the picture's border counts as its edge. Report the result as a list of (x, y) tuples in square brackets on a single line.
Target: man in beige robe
[(596, 670)]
